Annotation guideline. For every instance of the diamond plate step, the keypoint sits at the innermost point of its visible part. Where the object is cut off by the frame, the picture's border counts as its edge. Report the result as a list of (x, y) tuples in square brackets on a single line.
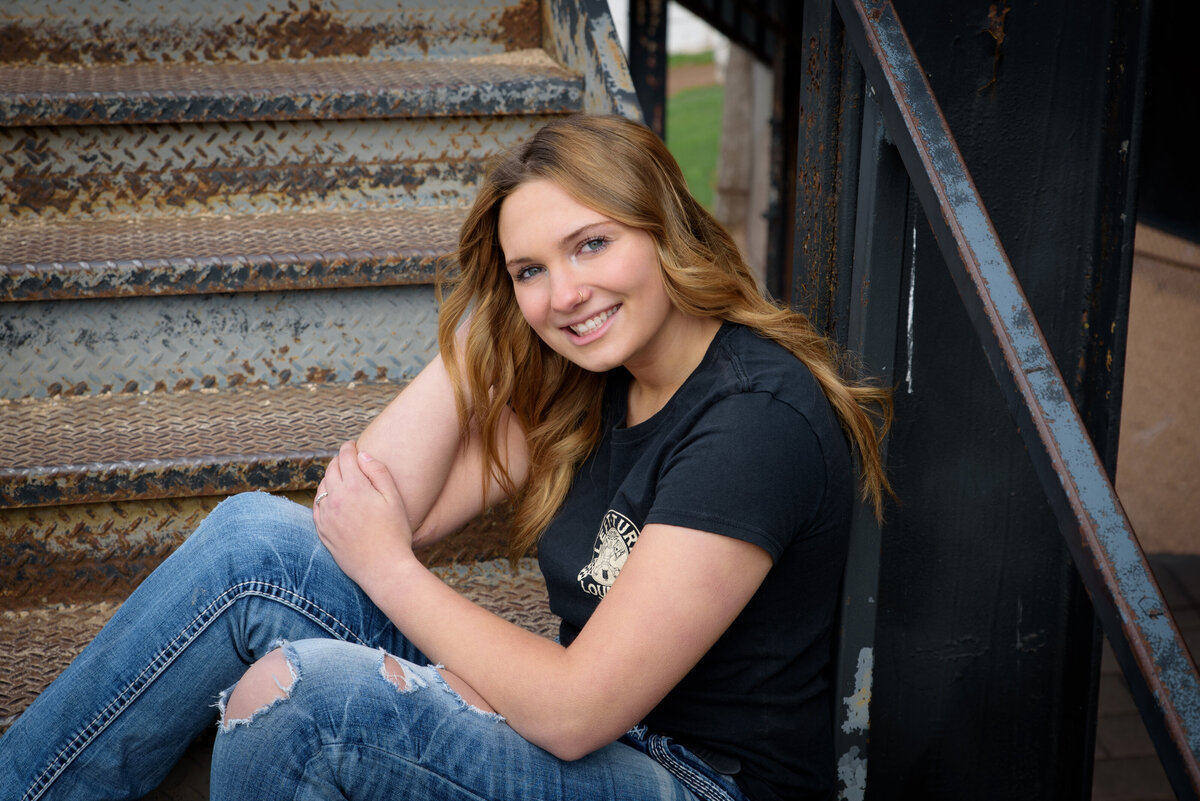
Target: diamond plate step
[(131, 345), (214, 31), (92, 172), (521, 82), (177, 444), (266, 252)]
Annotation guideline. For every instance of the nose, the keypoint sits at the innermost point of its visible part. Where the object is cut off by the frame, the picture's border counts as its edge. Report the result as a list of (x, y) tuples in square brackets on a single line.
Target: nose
[(567, 291)]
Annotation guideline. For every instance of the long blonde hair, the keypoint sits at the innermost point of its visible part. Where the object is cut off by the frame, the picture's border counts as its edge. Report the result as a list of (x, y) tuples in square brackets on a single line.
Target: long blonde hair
[(623, 171)]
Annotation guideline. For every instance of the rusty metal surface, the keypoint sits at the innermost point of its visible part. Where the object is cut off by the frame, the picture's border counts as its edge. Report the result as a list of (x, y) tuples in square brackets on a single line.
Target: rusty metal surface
[(215, 341), (167, 31), (826, 175), (522, 82), (580, 34), (91, 552), (1145, 639), (268, 252), (173, 444), (107, 171)]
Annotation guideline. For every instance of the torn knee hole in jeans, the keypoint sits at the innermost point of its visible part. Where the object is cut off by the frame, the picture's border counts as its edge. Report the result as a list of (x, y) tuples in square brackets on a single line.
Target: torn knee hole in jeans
[(408, 678), (269, 681), (399, 674)]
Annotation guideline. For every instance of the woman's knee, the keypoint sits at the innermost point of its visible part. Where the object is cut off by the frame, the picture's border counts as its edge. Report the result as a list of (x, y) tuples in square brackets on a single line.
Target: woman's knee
[(268, 680), (250, 523)]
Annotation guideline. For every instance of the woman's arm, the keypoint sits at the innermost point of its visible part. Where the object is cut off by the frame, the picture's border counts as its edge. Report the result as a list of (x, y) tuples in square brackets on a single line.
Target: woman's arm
[(678, 592), (438, 472)]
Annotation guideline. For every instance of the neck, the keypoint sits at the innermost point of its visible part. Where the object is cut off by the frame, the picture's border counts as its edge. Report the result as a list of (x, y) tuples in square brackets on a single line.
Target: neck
[(654, 384)]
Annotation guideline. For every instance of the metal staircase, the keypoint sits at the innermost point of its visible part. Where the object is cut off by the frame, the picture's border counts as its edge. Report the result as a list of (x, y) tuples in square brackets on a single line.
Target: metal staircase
[(219, 229)]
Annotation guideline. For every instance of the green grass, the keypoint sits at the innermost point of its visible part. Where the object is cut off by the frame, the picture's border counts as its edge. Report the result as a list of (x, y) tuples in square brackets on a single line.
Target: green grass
[(682, 59), (694, 137)]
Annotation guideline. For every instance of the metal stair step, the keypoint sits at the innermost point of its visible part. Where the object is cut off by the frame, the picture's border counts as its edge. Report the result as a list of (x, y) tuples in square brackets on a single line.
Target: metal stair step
[(518, 82), (139, 256), (177, 444), (230, 340), (154, 31), (50, 173)]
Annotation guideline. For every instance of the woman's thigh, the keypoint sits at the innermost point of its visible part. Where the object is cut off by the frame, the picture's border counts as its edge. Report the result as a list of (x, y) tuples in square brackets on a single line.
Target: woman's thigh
[(357, 723)]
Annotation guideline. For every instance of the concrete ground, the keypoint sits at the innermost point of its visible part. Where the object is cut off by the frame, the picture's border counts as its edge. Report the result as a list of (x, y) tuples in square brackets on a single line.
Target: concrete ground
[(1158, 481)]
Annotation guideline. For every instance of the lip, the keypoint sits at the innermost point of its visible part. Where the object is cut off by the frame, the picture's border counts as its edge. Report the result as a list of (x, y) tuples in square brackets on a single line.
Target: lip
[(591, 336)]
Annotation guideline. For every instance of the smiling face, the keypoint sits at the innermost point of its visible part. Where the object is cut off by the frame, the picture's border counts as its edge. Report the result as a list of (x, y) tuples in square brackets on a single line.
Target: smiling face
[(589, 286)]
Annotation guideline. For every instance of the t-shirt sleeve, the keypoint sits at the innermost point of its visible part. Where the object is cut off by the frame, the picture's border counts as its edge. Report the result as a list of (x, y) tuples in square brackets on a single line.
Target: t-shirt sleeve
[(751, 468)]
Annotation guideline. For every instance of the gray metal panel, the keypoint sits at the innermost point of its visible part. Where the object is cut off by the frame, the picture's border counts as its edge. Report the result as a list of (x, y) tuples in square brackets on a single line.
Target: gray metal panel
[(581, 35), (216, 341), (246, 168), (118, 32)]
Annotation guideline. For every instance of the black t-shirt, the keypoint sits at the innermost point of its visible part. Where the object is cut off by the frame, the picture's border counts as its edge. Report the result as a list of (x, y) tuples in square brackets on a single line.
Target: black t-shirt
[(748, 448)]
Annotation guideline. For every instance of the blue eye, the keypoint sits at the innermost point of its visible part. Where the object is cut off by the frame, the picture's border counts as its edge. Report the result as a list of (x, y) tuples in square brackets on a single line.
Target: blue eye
[(525, 273), (594, 245)]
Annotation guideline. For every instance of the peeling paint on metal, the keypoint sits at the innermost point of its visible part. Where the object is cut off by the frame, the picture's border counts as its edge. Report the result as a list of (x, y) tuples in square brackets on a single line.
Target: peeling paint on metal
[(581, 35), (852, 776), (858, 706)]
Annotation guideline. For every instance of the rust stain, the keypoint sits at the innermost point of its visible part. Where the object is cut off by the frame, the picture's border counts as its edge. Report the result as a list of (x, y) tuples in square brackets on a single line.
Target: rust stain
[(43, 44), (320, 375), (522, 25), (312, 33), (995, 29)]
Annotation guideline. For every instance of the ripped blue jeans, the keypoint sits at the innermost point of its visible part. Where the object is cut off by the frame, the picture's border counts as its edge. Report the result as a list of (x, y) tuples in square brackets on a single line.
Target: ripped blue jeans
[(252, 575)]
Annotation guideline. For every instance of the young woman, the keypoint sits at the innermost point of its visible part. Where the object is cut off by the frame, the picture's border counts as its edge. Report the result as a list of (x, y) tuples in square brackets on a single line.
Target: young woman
[(608, 363)]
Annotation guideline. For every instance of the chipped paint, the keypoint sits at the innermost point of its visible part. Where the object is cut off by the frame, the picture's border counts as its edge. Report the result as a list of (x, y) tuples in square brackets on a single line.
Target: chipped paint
[(852, 776), (581, 35), (858, 705)]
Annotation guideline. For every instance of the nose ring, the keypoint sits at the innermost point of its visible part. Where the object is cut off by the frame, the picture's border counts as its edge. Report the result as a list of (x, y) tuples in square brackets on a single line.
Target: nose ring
[(581, 298)]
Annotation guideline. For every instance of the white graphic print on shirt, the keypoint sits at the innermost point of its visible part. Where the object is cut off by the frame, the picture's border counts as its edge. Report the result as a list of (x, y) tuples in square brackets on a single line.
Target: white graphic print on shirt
[(617, 535)]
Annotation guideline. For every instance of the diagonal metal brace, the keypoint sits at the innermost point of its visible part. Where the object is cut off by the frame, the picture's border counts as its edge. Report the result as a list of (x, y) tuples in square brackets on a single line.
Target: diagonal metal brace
[(1143, 635)]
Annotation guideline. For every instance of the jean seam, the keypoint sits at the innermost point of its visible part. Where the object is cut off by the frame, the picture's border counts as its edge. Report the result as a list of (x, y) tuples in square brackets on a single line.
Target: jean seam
[(692, 779), (169, 653)]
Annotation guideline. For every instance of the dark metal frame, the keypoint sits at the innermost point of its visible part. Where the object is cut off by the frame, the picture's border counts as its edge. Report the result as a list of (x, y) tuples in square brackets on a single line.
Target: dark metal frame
[(1144, 637), (851, 204)]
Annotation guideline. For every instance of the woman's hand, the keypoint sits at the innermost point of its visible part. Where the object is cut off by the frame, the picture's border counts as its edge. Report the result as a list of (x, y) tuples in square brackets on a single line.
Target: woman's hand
[(361, 518)]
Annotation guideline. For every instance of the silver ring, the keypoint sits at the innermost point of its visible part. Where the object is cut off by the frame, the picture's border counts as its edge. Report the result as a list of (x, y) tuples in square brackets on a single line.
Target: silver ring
[(322, 496)]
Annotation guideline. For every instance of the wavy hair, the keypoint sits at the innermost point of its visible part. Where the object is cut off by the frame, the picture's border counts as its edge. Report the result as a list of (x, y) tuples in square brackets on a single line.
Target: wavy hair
[(624, 171)]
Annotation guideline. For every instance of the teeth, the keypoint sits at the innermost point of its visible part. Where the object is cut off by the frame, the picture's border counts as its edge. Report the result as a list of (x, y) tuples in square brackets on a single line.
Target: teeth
[(588, 326)]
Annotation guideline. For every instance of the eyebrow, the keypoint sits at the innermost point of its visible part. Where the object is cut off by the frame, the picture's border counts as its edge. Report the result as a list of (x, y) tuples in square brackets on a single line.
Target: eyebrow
[(563, 242)]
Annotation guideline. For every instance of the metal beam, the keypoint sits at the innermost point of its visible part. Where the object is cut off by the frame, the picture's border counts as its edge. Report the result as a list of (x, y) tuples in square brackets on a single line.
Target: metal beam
[(648, 60), (1144, 637)]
